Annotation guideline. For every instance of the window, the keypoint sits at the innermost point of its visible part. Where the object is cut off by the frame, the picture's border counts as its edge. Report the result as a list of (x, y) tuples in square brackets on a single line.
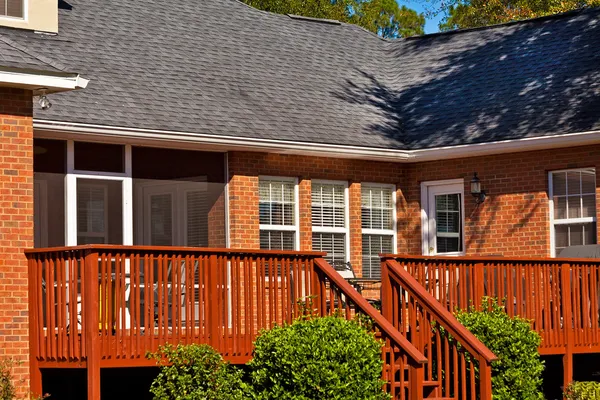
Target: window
[(442, 217), (378, 212), (330, 220), (92, 214), (572, 208), (11, 8), (278, 213)]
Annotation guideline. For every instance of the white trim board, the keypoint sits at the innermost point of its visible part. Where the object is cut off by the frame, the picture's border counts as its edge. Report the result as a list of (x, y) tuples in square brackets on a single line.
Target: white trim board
[(72, 130), (35, 81)]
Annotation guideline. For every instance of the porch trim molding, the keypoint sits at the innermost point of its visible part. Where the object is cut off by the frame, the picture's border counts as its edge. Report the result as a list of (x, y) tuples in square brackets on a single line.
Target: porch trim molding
[(36, 80), (91, 132)]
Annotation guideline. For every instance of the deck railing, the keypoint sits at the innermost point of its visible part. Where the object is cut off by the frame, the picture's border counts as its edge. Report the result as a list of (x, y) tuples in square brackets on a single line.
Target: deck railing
[(558, 296), (105, 306), (458, 364)]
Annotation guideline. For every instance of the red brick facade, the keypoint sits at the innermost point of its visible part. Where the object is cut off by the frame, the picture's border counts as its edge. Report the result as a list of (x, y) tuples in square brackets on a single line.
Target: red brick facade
[(513, 220), (16, 228)]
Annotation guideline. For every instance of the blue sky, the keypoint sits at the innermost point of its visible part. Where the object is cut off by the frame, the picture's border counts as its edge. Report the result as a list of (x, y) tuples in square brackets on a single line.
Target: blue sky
[(431, 25)]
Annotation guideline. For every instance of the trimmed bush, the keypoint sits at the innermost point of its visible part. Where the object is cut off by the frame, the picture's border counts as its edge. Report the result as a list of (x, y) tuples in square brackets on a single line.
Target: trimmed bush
[(583, 391), (518, 372), (195, 372), (317, 358)]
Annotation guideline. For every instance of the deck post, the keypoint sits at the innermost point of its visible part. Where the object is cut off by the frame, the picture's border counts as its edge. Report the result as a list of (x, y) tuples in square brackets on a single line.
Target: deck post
[(92, 322), (386, 292), (213, 319), (485, 379), (35, 285), (568, 324), (479, 284), (416, 377)]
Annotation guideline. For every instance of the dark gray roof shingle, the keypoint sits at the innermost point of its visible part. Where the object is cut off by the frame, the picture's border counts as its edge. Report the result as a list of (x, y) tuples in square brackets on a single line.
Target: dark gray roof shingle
[(219, 67), (14, 56)]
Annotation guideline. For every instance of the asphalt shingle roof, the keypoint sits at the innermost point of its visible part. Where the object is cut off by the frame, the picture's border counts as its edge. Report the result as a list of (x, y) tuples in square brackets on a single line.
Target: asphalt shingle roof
[(14, 56), (219, 67)]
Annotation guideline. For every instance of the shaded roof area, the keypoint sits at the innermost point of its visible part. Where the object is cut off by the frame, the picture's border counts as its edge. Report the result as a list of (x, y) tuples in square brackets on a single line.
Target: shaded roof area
[(220, 67)]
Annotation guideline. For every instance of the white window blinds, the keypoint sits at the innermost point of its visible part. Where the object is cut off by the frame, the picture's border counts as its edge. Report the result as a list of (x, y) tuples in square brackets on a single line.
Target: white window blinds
[(329, 220), (573, 195), (277, 214), (378, 235), (328, 205)]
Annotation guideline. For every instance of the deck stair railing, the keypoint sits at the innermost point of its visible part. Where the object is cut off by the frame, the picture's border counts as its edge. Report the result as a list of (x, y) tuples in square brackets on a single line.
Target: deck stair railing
[(559, 296), (458, 364)]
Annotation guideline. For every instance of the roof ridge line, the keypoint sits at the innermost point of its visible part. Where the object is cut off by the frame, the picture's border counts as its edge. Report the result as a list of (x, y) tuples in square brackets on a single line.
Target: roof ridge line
[(41, 58), (503, 24)]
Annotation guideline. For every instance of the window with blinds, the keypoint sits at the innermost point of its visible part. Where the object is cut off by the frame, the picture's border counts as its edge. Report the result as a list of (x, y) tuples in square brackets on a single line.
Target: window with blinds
[(378, 220), (448, 223), (11, 8), (277, 213), (573, 209), (329, 220)]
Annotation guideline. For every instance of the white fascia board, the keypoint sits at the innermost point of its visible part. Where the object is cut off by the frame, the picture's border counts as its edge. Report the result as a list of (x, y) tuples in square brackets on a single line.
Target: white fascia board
[(38, 80), (506, 146), (49, 129), (46, 129)]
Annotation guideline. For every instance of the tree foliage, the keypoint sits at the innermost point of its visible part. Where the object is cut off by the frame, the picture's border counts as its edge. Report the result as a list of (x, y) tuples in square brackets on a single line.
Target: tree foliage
[(475, 13), (583, 391), (383, 17)]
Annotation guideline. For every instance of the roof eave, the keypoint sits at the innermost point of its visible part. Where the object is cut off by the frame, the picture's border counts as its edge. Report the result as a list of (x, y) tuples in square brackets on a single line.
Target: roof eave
[(51, 82)]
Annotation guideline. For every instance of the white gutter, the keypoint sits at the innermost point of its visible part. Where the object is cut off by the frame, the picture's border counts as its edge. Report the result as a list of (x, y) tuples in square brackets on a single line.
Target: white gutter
[(49, 129), (45, 128), (52, 82)]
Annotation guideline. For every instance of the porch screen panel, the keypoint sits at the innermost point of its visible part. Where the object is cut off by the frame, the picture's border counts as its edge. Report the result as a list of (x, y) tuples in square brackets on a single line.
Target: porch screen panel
[(99, 212), (161, 220), (197, 218), (573, 195)]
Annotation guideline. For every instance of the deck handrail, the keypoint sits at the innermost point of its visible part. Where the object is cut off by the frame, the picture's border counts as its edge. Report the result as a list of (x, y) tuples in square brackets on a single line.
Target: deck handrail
[(555, 260), (441, 314), (172, 249), (368, 309)]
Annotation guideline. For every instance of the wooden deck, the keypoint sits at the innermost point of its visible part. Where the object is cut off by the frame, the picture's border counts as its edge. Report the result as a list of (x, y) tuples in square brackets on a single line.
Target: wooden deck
[(558, 296), (99, 307)]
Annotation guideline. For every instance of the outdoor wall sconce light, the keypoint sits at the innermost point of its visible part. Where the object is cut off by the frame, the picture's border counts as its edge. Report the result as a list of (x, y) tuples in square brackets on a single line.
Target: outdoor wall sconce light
[(45, 104), (476, 190)]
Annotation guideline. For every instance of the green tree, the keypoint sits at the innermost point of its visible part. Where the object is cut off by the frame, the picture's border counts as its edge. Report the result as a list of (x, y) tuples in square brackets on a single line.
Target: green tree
[(383, 17), (475, 13)]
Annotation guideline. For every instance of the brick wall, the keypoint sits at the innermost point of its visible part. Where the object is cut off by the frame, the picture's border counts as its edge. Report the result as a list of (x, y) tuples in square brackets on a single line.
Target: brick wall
[(245, 168), (513, 221), (16, 226)]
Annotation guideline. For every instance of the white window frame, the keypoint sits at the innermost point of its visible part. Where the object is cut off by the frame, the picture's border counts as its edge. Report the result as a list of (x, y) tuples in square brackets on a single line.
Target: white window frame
[(25, 16), (566, 221), (453, 186), (290, 228), (346, 229), (71, 194), (383, 232)]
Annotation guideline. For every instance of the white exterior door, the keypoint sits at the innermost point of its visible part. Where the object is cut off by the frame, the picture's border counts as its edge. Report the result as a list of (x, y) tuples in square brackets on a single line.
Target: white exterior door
[(442, 219)]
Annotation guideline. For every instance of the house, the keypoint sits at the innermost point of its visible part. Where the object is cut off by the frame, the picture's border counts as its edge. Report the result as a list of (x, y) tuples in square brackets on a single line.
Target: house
[(212, 124)]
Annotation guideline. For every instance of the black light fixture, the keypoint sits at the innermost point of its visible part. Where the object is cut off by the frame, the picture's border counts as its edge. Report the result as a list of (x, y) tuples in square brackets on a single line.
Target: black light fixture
[(476, 189)]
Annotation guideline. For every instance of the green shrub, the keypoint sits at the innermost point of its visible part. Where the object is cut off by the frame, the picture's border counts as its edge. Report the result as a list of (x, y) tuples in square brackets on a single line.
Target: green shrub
[(317, 358), (583, 391), (195, 372), (7, 387), (518, 372)]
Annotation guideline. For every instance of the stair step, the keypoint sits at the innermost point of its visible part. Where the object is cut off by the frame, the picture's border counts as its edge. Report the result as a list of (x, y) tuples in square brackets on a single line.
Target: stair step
[(427, 384)]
